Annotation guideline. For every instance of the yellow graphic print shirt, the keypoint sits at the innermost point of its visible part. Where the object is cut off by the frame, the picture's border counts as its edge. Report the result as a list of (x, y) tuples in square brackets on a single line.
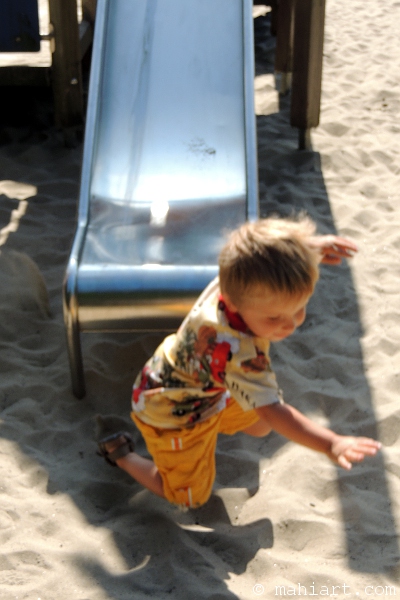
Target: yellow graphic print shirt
[(193, 374)]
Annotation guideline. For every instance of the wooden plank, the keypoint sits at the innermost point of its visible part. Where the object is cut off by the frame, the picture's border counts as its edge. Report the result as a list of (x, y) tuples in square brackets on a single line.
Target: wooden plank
[(66, 64), (89, 10), (307, 66), (284, 42), (85, 37), (284, 37), (21, 75), (274, 4)]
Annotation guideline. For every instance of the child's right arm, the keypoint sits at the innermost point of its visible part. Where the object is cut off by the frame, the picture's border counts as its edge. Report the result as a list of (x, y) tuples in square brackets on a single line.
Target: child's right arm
[(292, 424), (333, 248)]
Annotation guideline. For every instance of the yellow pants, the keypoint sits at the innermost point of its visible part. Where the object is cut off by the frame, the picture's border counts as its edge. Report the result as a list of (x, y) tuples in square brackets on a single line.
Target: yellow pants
[(186, 457)]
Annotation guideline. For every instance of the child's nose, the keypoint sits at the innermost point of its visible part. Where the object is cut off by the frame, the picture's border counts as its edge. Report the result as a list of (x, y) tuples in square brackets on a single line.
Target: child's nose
[(294, 322)]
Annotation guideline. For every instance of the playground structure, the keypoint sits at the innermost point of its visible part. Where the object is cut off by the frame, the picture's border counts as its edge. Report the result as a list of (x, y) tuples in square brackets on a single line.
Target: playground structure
[(69, 41), (299, 29)]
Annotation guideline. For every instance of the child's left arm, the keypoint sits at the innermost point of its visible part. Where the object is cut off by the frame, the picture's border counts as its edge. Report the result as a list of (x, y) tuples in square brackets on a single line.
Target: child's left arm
[(333, 248), (295, 426)]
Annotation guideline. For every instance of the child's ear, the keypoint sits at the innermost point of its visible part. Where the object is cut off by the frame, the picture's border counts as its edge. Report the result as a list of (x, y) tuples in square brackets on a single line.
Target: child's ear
[(229, 304)]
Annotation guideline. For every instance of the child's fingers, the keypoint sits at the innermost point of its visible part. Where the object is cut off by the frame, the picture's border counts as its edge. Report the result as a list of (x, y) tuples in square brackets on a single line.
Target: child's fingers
[(357, 450), (333, 254), (349, 457), (345, 245), (367, 446), (343, 462), (331, 259), (361, 449), (354, 455)]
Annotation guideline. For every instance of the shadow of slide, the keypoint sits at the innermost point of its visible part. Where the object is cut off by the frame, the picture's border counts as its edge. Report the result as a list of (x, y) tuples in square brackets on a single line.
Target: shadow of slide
[(292, 181), (331, 337)]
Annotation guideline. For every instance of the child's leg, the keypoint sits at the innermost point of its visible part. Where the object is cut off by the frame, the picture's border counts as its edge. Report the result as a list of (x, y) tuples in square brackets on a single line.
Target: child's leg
[(258, 429), (143, 470), (118, 449), (185, 459)]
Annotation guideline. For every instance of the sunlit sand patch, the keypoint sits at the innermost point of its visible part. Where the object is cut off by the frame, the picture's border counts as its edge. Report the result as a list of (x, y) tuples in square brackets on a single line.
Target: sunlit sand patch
[(266, 96), (20, 192), (260, 10)]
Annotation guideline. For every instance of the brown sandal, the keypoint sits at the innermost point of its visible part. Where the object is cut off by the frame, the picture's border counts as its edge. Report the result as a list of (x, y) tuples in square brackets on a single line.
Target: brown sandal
[(125, 446)]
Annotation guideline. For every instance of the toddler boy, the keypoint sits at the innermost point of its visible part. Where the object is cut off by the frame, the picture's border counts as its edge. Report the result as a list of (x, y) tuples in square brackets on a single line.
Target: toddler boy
[(214, 375)]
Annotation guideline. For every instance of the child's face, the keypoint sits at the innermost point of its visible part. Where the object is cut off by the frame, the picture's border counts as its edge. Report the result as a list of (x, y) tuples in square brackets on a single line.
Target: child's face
[(270, 315)]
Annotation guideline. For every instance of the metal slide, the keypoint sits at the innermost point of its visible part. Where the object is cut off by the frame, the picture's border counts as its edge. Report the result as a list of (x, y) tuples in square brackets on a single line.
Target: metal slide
[(169, 163)]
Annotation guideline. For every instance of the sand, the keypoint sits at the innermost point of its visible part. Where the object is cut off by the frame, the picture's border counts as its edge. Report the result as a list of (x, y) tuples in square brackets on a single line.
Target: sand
[(282, 520)]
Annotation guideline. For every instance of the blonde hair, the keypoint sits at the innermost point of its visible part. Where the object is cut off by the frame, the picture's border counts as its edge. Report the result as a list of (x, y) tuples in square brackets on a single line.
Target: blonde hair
[(273, 253)]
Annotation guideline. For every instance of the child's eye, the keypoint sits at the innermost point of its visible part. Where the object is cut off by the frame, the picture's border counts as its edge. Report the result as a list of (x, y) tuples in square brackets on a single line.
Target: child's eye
[(273, 319)]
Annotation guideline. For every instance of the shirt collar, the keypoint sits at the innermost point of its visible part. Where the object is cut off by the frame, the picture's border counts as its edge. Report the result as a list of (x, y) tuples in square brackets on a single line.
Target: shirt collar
[(234, 319)]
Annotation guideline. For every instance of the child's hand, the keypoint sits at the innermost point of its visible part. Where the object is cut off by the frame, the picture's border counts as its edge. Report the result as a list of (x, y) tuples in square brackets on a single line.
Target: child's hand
[(333, 248), (346, 450)]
